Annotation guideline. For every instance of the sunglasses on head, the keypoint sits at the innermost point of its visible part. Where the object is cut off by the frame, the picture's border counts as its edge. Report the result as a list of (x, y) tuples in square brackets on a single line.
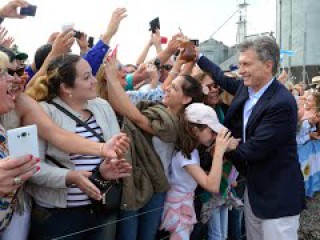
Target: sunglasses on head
[(19, 71)]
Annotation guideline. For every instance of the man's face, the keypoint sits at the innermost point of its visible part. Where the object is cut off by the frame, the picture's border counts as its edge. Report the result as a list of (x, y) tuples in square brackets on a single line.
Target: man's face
[(255, 73)]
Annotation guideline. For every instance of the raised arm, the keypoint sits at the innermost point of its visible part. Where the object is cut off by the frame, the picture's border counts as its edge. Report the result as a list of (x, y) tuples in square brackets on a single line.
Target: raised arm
[(227, 83), (61, 45), (120, 101), (96, 54), (31, 113)]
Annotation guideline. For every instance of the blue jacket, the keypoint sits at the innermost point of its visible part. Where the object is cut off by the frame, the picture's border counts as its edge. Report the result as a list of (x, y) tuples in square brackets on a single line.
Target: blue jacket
[(269, 157)]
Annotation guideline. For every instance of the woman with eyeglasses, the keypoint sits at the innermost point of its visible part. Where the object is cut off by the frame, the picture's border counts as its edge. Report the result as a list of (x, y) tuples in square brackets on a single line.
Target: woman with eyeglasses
[(13, 172)]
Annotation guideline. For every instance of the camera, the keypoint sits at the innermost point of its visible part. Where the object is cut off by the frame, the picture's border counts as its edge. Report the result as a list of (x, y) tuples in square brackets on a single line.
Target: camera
[(24, 134), (78, 34)]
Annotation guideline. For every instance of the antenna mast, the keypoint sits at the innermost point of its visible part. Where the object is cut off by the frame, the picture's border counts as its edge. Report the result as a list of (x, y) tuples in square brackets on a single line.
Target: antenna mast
[(242, 23)]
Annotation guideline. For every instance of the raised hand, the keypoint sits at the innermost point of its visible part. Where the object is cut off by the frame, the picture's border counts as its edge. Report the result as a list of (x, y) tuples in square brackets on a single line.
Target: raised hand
[(113, 169), (81, 180), (7, 42), (223, 140), (15, 171), (83, 43), (110, 69), (10, 9), (117, 16), (116, 147), (53, 37), (156, 38), (63, 42), (233, 144), (174, 43)]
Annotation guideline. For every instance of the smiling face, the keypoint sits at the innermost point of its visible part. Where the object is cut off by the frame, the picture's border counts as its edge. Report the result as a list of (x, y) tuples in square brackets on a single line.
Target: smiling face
[(255, 73), (174, 97), (213, 97), (7, 99), (310, 102), (85, 84)]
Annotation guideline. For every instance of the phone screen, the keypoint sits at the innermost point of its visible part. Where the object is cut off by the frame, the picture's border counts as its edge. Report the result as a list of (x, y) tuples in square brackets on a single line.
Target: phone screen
[(29, 11)]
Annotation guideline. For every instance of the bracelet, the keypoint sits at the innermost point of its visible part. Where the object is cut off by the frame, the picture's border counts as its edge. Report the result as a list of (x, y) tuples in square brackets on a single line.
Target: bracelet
[(101, 149), (172, 72)]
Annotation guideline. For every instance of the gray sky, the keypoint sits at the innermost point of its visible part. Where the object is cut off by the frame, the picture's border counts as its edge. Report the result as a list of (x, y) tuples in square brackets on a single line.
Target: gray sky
[(197, 19)]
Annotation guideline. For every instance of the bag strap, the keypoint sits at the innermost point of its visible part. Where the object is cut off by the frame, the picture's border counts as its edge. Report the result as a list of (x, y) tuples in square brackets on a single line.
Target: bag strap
[(79, 121), (60, 165)]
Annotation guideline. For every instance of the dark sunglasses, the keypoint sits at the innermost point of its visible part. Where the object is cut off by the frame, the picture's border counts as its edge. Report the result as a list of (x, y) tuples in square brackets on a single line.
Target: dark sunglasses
[(19, 71), (167, 67)]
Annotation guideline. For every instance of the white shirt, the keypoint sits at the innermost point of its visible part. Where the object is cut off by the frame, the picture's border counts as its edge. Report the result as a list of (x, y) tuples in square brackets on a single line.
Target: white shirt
[(165, 151), (250, 103), (179, 177)]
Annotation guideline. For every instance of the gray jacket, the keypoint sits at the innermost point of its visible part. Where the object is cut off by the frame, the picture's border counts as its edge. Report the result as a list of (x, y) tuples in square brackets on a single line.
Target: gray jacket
[(48, 187)]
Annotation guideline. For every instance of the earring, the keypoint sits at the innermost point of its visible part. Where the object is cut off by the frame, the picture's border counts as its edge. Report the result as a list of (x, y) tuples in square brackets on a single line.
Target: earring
[(70, 95)]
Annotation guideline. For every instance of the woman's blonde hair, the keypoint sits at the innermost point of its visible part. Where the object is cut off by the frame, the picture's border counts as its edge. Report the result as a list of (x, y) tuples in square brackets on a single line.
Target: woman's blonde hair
[(60, 70), (102, 89)]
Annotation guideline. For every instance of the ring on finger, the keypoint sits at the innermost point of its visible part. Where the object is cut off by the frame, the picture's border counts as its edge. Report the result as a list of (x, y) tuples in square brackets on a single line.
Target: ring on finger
[(17, 180)]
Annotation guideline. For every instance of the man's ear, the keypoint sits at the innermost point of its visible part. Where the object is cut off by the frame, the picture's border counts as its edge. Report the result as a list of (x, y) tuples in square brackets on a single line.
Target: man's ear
[(269, 65)]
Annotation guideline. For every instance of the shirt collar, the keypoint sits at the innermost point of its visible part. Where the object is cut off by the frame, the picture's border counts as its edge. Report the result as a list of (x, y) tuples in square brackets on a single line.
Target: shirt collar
[(258, 94)]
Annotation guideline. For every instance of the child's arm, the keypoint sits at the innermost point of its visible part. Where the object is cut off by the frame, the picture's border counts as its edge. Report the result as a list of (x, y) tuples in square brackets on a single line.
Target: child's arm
[(211, 181)]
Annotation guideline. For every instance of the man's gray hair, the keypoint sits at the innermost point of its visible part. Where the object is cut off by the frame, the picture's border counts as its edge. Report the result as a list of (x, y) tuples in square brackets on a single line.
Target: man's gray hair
[(266, 48)]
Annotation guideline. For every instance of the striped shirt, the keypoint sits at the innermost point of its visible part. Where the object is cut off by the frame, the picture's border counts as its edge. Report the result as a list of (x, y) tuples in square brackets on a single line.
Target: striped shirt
[(76, 197)]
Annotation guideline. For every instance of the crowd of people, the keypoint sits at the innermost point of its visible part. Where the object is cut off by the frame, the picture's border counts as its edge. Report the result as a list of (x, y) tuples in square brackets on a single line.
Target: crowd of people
[(195, 152)]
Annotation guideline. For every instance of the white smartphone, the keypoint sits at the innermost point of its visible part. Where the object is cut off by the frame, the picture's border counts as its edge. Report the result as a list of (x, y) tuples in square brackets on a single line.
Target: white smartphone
[(23, 141)]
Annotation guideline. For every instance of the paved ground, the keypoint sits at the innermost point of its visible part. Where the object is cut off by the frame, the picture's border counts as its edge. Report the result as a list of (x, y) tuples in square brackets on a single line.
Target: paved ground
[(310, 220)]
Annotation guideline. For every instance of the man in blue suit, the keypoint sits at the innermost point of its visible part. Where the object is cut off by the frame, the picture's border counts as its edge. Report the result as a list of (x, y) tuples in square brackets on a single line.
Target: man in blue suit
[(264, 115)]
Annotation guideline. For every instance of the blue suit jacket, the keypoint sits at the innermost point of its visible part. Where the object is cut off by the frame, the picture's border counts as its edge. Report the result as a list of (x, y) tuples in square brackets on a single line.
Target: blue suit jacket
[(269, 157)]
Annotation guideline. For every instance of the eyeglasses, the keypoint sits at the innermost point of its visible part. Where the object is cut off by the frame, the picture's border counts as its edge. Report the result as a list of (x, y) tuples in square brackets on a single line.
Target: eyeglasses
[(211, 86), (19, 71)]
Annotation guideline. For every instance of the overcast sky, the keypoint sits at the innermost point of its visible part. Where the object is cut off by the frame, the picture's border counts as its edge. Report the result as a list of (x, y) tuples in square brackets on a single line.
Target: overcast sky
[(197, 19)]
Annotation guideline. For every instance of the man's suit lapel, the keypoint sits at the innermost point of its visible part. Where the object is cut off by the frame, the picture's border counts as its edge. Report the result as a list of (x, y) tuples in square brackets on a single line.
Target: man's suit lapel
[(237, 103), (262, 103)]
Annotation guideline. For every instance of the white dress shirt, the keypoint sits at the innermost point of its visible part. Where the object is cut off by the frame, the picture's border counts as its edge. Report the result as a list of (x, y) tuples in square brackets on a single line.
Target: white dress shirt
[(250, 103)]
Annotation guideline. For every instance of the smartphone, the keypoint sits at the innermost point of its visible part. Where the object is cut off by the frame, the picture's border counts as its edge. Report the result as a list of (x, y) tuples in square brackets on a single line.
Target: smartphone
[(90, 42), (78, 34), (154, 25), (29, 11), (195, 42), (66, 26), (23, 141)]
